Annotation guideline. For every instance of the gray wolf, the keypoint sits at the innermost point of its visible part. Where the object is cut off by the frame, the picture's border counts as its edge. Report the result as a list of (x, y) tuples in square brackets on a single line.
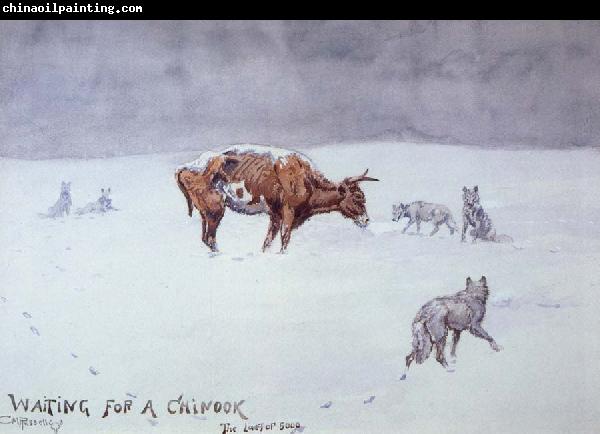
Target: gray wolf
[(253, 179), (101, 205), (62, 206), (424, 211), (464, 310), (475, 216)]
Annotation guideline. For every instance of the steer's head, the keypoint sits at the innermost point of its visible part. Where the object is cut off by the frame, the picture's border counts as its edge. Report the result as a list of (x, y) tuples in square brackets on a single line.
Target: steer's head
[(353, 204)]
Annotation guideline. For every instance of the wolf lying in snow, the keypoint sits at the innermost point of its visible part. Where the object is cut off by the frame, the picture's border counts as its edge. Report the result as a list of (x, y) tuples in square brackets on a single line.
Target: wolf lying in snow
[(474, 215), (63, 204), (103, 204), (423, 211), (464, 310)]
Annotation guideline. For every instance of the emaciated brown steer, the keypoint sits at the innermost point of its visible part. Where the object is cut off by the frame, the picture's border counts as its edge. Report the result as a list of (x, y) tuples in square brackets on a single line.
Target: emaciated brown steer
[(252, 179)]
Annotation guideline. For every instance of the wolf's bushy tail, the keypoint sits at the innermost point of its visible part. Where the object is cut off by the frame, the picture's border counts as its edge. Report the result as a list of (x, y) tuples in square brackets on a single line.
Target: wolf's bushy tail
[(422, 345), (503, 238)]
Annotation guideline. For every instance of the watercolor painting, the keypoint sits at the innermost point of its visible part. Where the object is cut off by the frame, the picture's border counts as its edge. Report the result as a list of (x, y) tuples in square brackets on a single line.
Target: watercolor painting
[(299, 226)]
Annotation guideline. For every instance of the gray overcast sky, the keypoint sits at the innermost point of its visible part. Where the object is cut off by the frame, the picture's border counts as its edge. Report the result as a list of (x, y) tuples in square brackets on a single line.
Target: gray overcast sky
[(101, 88)]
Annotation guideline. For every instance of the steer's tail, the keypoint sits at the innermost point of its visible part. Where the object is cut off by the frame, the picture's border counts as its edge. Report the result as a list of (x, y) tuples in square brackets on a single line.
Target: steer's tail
[(185, 192)]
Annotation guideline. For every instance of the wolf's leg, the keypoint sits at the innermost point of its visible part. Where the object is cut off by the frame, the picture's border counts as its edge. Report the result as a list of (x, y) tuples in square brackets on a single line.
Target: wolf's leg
[(463, 237), (410, 222), (409, 359), (438, 331), (455, 339), (418, 225), (474, 233), (477, 330), (451, 225), (435, 229), (439, 352)]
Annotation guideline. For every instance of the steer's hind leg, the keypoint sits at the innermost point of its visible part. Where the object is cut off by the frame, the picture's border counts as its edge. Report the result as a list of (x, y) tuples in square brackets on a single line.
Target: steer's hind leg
[(204, 234), (274, 226), (286, 227)]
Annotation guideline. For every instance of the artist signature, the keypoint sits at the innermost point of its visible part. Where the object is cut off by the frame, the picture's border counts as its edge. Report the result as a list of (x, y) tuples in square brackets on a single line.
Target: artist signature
[(27, 422)]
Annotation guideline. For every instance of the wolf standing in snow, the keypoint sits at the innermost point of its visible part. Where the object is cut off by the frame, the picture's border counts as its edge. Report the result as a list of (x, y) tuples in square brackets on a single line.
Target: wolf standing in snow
[(474, 215), (423, 211), (464, 310), (63, 204)]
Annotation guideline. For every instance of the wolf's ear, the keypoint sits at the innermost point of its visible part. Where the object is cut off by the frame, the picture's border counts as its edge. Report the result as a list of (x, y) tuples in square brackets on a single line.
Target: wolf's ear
[(101, 190), (469, 281), (483, 280), (475, 188), (109, 189), (465, 189)]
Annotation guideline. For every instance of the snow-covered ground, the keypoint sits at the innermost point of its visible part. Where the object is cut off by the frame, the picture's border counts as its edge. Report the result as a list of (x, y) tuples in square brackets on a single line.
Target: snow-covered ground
[(134, 297)]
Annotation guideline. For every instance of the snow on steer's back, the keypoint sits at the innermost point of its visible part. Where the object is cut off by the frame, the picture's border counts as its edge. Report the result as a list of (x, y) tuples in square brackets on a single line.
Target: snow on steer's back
[(273, 153)]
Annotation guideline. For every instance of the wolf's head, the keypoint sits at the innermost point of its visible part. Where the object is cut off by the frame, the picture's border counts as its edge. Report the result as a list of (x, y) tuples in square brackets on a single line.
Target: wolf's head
[(65, 187), (478, 288), (399, 211), (104, 200), (470, 197)]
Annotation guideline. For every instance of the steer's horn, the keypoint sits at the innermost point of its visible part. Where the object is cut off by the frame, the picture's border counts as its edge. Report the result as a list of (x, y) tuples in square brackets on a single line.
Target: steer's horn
[(362, 177)]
